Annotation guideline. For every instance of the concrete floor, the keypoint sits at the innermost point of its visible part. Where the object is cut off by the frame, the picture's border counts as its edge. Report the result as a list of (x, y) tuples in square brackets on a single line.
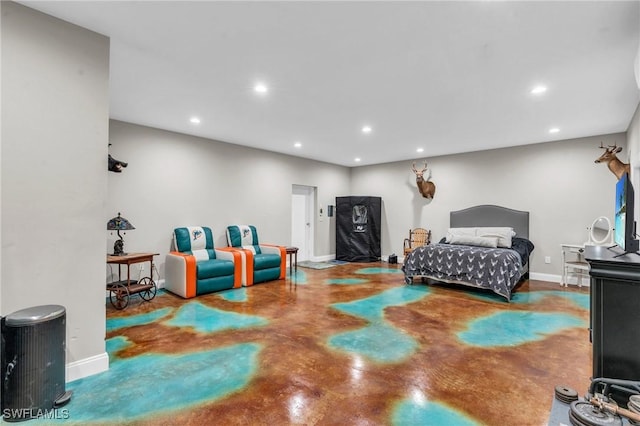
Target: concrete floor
[(350, 345)]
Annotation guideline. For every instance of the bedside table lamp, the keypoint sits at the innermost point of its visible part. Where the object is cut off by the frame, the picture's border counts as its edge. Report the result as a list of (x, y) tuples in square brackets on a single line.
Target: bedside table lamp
[(118, 224)]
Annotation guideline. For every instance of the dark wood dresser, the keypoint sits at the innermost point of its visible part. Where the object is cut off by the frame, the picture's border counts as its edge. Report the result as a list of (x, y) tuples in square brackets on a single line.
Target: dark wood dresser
[(615, 312)]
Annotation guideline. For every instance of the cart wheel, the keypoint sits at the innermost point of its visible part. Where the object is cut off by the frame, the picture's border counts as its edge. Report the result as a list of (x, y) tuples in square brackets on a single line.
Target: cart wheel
[(149, 293), (119, 296)]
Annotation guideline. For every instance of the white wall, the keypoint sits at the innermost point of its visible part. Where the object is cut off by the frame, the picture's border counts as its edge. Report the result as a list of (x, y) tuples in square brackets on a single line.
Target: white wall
[(558, 183), (177, 180), (55, 108)]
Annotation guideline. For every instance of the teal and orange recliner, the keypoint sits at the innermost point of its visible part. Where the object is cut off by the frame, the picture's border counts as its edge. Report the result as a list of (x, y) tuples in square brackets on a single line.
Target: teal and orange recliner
[(261, 262), (196, 267)]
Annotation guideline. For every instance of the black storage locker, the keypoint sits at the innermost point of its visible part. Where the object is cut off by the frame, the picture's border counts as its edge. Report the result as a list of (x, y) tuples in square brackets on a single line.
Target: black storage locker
[(358, 220), (33, 362)]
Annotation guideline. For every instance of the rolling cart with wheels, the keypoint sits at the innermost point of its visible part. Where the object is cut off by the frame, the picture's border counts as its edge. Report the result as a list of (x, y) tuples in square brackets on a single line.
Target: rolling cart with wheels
[(121, 291)]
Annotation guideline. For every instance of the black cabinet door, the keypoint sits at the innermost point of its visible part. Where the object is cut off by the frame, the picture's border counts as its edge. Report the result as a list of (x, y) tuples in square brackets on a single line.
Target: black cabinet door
[(616, 329), (615, 313)]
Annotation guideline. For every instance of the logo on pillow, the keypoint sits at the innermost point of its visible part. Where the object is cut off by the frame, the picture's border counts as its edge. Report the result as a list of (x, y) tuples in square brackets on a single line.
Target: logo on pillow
[(196, 234)]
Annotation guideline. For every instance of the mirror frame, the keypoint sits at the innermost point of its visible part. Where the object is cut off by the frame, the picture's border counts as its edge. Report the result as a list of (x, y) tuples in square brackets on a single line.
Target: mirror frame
[(607, 237)]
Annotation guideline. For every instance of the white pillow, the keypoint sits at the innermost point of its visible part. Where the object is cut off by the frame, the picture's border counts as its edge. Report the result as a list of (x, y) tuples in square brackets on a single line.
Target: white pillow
[(469, 232), (504, 234), (471, 240)]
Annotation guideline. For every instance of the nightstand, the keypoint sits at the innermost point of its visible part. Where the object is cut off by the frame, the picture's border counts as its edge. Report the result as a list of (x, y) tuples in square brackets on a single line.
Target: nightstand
[(573, 264)]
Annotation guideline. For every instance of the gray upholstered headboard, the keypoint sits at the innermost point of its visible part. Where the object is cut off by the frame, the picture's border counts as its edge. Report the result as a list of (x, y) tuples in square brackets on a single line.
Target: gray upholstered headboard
[(490, 215)]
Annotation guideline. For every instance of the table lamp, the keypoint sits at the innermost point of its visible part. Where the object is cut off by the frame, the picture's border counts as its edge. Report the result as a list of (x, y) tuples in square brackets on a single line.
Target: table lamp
[(118, 224)]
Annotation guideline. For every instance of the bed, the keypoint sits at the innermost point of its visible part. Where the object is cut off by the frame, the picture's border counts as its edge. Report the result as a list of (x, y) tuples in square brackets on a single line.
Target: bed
[(486, 247)]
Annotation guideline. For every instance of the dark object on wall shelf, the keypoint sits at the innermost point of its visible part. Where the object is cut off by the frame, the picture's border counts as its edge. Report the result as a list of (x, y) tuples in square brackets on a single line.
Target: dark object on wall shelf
[(615, 292), (116, 165), (358, 221), (33, 362)]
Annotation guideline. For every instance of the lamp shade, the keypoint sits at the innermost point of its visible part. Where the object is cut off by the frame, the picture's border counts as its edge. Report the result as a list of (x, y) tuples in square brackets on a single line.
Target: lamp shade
[(119, 223)]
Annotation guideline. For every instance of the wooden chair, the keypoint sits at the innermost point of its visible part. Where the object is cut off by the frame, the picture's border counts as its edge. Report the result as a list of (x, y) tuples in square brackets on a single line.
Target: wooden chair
[(418, 237)]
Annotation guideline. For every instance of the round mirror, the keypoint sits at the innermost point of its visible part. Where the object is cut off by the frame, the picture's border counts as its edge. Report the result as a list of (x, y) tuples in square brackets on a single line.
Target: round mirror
[(600, 230)]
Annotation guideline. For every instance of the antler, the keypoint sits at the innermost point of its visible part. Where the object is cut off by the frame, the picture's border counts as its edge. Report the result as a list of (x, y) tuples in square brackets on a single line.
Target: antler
[(421, 171), (611, 148)]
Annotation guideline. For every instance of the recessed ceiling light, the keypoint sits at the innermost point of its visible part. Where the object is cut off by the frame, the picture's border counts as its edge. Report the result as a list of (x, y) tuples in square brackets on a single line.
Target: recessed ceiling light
[(538, 90), (420, 150), (366, 129), (297, 145), (260, 88), (554, 130), (357, 159), (194, 120)]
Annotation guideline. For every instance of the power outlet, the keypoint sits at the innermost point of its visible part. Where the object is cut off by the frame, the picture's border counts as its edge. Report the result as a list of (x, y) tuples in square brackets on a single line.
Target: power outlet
[(547, 259)]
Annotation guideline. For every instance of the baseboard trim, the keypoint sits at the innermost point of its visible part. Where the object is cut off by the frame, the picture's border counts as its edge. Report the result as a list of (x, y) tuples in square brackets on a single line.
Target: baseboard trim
[(545, 277), (87, 367), (324, 258), (557, 279)]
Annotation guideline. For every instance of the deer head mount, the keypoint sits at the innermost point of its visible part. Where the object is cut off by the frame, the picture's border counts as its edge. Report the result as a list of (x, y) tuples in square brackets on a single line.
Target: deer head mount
[(616, 166), (427, 189)]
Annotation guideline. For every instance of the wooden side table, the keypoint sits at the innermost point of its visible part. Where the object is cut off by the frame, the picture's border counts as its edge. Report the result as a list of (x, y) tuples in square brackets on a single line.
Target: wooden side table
[(120, 291), (293, 254)]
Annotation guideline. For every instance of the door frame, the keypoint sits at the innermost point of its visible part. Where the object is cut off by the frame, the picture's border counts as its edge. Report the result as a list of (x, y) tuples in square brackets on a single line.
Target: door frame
[(309, 193)]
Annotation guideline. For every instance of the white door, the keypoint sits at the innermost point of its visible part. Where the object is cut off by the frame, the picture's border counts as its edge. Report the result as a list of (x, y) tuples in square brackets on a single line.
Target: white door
[(302, 202)]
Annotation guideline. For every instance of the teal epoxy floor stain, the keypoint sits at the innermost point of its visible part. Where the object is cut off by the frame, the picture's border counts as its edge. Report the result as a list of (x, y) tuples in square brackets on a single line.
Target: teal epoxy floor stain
[(207, 320), (379, 340), (580, 299), (347, 281), (379, 271), (409, 412), (142, 319), (116, 344), (234, 295), (298, 277), (180, 379), (372, 308), (516, 327)]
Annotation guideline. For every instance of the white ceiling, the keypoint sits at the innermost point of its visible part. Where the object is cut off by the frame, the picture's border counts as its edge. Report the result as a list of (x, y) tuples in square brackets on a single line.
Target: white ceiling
[(449, 77)]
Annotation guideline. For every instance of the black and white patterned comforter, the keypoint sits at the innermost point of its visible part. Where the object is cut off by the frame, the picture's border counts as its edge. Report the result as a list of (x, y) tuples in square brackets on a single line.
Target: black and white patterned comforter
[(497, 269)]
